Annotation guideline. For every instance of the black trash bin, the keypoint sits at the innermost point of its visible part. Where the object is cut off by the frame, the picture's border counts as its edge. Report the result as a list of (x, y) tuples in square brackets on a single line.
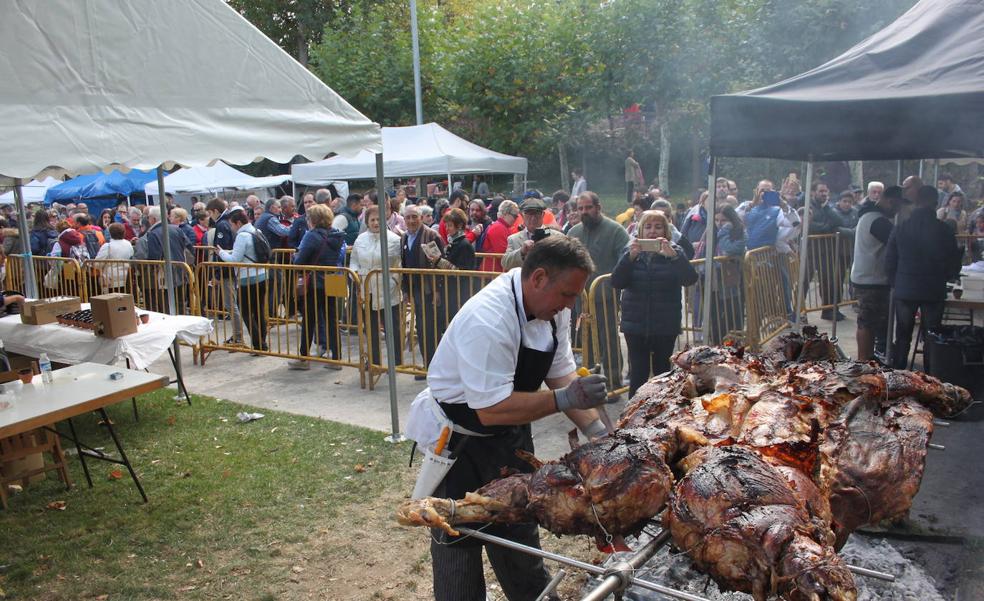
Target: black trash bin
[(956, 355)]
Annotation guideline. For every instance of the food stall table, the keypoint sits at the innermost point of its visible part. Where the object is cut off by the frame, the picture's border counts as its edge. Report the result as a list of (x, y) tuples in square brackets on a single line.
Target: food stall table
[(75, 390)]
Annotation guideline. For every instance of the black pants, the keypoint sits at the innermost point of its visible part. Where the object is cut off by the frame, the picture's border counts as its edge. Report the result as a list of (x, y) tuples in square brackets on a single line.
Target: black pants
[(318, 316), (931, 316), (647, 352), (429, 318), (629, 192), (459, 575), (373, 334), (251, 299)]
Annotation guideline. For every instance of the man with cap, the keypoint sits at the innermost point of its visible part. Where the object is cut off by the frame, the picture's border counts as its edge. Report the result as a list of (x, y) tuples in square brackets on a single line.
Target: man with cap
[(518, 245)]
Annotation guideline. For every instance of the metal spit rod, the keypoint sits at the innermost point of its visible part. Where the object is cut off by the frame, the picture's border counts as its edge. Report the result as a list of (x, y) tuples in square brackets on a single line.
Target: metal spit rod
[(618, 575), (937, 447), (872, 573), (587, 567), (941, 423)]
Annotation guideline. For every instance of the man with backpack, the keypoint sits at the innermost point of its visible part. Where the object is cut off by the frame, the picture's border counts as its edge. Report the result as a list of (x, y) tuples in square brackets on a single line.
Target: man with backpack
[(91, 234)]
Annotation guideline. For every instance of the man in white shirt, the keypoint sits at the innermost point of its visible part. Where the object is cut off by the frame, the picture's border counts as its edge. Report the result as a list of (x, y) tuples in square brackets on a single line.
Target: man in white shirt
[(486, 378), (580, 184)]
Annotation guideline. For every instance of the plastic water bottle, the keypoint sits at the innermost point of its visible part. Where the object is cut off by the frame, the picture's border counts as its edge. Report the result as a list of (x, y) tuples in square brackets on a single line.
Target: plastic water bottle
[(45, 364)]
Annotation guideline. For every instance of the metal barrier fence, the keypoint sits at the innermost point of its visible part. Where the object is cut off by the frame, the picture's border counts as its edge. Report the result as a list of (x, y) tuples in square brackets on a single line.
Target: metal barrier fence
[(54, 276), (301, 312), (829, 272), (425, 302), (767, 314)]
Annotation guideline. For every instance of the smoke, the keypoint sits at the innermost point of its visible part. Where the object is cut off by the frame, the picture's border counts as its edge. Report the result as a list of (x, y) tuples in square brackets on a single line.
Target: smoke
[(674, 569)]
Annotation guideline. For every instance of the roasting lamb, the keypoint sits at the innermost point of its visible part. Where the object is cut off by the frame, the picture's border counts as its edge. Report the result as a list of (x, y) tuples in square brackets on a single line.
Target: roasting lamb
[(767, 463)]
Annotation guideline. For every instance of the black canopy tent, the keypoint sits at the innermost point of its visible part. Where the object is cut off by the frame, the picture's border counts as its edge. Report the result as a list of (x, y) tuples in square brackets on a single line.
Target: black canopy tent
[(914, 90)]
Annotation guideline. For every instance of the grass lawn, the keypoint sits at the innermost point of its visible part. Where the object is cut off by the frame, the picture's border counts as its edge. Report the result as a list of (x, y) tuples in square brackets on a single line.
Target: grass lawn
[(280, 508)]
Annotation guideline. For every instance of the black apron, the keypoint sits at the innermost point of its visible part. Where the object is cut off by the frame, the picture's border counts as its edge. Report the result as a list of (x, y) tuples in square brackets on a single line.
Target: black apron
[(482, 459)]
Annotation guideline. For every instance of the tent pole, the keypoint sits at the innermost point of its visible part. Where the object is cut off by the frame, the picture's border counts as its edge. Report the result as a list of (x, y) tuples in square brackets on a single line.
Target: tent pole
[(936, 171), (31, 284), (889, 338), (709, 251), (168, 274), (391, 343), (921, 169), (415, 43), (804, 245)]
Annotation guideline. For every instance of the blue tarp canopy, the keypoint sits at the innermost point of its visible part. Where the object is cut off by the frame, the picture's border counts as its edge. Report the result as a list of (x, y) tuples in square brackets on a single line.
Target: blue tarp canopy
[(100, 185)]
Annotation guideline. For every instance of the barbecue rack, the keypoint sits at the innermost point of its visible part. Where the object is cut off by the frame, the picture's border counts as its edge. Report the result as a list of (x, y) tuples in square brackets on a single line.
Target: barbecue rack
[(621, 574)]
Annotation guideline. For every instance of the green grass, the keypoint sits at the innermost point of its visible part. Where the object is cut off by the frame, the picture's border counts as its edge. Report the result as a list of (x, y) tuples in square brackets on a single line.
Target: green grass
[(239, 498)]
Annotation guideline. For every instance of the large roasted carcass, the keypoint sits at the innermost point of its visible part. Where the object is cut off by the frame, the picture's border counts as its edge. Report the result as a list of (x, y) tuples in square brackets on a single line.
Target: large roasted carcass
[(766, 463)]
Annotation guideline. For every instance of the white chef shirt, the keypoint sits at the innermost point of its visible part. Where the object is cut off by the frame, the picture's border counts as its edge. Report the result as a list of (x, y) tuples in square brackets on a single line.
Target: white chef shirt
[(476, 359)]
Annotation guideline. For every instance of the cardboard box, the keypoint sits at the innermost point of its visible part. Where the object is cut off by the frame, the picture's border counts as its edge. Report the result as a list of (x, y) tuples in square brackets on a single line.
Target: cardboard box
[(114, 315), (40, 312)]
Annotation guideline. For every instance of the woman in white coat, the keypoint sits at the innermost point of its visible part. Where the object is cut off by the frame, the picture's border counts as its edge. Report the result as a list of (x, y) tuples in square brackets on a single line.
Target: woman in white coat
[(366, 257)]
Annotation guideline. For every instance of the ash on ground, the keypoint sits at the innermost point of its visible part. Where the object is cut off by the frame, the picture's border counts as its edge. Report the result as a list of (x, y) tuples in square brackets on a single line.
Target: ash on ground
[(674, 569)]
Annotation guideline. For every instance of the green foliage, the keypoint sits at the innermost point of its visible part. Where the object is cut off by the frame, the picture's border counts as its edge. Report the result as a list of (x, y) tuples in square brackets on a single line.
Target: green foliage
[(522, 76)]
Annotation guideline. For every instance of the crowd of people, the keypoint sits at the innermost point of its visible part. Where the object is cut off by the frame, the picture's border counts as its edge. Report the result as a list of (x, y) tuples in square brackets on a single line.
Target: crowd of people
[(901, 237)]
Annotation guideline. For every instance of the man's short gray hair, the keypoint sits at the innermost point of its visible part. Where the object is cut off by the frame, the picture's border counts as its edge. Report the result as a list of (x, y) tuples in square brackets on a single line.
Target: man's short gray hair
[(873, 185), (557, 254), (411, 209), (154, 212), (322, 196)]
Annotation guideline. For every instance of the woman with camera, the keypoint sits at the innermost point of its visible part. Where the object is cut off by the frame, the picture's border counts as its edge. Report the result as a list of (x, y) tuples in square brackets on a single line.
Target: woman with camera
[(651, 273)]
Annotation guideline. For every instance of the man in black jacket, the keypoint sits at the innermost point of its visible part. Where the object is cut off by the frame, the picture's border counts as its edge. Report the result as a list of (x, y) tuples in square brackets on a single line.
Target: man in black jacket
[(181, 251), (823, 220), (922, 255)]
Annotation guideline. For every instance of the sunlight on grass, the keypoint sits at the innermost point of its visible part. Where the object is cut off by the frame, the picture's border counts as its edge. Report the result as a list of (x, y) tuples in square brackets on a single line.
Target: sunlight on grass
[(225, 499)]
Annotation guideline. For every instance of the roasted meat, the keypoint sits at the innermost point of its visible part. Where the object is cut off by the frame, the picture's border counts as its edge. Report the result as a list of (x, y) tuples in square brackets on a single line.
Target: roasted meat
[(744, 523), (772, 461), (611, 486), (872, 462)]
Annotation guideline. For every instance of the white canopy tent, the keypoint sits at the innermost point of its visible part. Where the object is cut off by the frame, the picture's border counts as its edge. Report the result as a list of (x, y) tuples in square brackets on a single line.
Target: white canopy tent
[(33, 192), (427, 149), (199, 180), (95, 84), (218, 177)]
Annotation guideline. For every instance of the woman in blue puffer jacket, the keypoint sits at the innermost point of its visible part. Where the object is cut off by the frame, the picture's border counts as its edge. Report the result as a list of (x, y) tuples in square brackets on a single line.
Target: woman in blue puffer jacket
[(651, 281)]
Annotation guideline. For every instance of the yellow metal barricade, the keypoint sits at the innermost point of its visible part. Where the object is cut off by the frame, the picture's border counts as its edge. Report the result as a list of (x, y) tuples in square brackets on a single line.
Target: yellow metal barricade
[(54, 276), (146, 281), (770, 286), (601, 333), (489, 262), (828, 264), (727, 305), (428, 300), (323, 327)]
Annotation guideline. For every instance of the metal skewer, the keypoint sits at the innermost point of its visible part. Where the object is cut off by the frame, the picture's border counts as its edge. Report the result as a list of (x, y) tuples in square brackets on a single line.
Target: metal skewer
[(625, 569), (552, 585), (941, 423), (937, 447), (871, 573)]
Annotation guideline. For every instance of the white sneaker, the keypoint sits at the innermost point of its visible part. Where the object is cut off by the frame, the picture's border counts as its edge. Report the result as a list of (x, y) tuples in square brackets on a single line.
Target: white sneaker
[(298, 364)]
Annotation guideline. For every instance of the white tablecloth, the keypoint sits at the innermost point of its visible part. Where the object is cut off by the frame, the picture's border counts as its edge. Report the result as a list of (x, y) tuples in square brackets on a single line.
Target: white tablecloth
[(65, 344)]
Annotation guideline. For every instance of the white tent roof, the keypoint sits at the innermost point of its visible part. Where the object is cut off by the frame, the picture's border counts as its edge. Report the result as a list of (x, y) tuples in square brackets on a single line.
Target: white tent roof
[(427, 149), (33, 192), (87, 85), (195, 180)]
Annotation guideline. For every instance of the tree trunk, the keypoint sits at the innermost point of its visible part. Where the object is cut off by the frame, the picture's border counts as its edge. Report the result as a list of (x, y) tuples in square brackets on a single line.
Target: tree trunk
[(857, 172), (695, 170), (664, 156), (302, 46), (564, 171)]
